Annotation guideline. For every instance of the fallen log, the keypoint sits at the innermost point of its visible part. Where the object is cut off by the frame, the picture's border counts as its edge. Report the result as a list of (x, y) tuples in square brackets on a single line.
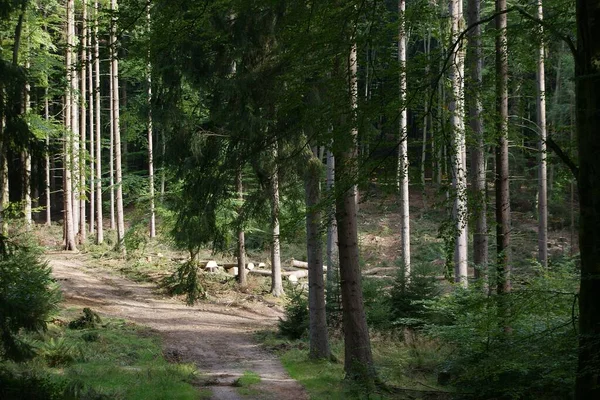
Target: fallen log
[(302, 264)]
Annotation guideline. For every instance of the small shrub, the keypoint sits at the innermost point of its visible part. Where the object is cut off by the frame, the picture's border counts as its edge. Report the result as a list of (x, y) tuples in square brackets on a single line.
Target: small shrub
[(187, 279), (89, 319), (28, 295), (296, 321), (58, 352)]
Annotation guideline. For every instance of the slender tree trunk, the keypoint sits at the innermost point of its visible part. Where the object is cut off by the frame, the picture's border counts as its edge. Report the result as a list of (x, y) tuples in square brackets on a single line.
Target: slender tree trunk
[(587, 91), (426, 48), (90, 102), (117, 132), (4, 200), (47, 162), (276, 283), (98, 130), (354, 99), (332, 253), (502, 171), (542, 178), (83, 127), (457, 122), (113, 223), (150, 137), (241, 250), (69, 231), (403, 165), (26, 156), (358, 363), (478, 175), (75, 155), (319, 341), (162, 168)]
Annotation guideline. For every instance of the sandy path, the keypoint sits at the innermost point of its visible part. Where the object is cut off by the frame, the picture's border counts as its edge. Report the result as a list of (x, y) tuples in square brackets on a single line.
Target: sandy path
[(217, 338)]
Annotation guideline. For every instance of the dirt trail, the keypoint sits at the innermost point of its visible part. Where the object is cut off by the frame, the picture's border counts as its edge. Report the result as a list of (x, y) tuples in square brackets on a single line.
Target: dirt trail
[(217, 338)]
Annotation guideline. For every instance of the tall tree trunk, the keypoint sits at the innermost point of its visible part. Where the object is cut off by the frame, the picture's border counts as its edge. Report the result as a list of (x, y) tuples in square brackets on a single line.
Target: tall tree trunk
[(542, 177), (98, 130), (587, 91), (358, 363), (332, 249), (90, 102), (426, 48), (75, 155), (402, 179), (502, 171), (459, 165), (26, 156), (69, 229), (83, 127), (241, 244), (319, 342), (276, 283), (478, 175), (111, 155), (150, 135), (117, 133), (47, 162)]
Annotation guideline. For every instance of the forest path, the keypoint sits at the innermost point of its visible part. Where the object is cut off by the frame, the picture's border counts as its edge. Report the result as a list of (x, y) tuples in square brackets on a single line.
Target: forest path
[(216, 338)]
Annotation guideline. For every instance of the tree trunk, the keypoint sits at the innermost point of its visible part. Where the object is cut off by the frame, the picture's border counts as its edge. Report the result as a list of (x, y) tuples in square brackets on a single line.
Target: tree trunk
[(117, 133), (90, 77), (426, 48), (319, 342), (241, 250), (542, 177), (4, 199), (69, 231), (276, 284), (459, 165), (478, 170), (26, 157), (358, 363), (98, 130), (402, 179), (150, 136), (332, 249), (587, 92), (502, 171), (83, 127), (111, 155), (47, 162)]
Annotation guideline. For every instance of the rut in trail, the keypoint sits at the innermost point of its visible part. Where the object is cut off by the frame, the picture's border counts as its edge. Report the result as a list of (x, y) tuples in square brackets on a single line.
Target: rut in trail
[(217, 338)]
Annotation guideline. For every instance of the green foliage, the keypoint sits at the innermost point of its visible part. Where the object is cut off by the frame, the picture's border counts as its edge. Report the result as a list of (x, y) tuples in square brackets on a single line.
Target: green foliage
[(89, 319), (186, 280), (295, 323), (28, 294), (406, 299), (58, 352), (520, 345)]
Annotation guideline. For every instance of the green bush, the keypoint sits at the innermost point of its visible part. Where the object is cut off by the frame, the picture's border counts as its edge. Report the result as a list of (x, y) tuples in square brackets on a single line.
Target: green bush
[(406, 299), (28, 295), (519, 345), (295, 323)]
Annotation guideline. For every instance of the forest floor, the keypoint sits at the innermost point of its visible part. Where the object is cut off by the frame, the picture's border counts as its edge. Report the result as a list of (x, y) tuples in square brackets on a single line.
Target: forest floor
[(217, 337)]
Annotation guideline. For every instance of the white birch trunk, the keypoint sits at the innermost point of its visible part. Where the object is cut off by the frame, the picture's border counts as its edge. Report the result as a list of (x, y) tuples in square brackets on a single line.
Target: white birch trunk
[(402, 178), (542, 175), (90, 102), (459, 175), (26, 156)]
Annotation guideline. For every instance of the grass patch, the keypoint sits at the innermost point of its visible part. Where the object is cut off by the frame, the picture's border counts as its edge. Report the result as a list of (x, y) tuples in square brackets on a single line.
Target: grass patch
[(245, 382), (116, 360)]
